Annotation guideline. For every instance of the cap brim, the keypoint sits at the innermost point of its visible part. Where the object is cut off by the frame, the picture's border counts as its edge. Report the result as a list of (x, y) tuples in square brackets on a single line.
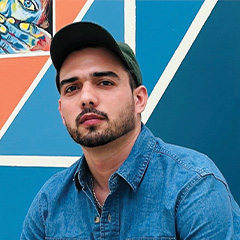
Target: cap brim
[(77, 35)]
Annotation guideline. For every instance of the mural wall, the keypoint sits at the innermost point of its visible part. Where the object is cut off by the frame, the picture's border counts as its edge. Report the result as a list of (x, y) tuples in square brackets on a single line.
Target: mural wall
[(189, 53)]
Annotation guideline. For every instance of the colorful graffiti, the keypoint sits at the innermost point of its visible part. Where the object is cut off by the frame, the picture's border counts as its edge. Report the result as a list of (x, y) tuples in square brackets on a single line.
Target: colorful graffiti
[(24, 26)]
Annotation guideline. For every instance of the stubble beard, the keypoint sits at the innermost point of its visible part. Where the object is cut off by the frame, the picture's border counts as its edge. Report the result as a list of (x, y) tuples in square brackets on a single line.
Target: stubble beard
[(115, 129)]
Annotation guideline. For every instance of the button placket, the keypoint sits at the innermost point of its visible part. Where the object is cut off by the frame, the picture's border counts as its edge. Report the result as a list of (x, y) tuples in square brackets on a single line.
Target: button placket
[(109, 217)]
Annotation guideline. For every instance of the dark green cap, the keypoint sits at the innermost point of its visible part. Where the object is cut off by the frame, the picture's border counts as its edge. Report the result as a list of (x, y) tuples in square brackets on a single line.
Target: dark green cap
[(80, 34)]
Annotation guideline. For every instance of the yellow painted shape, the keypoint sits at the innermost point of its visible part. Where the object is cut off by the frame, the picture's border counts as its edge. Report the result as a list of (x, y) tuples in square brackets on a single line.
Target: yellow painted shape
[(3, 5), (11, 20), (2, 18), (24, 26), (3, 29)]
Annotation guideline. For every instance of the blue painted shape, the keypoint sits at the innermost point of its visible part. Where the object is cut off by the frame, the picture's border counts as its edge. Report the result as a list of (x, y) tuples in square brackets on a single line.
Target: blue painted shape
[(38, 128), (18, 187), (200, 108), (161, 25), (110, 15)]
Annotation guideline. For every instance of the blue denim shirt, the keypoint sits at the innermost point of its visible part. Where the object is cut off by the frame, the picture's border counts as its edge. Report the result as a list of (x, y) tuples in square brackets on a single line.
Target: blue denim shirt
[(161, 191)]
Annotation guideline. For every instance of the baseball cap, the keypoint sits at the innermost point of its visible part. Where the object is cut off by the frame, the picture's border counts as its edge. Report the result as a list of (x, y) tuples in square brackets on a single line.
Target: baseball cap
[(82, 34)]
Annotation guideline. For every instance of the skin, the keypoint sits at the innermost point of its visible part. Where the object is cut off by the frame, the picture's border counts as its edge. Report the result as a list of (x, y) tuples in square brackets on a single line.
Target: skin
[(81, 88)]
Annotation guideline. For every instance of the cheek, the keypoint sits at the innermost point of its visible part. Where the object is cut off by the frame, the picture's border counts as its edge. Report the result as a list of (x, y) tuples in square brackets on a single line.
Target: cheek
[(67, 112), (124, 105)]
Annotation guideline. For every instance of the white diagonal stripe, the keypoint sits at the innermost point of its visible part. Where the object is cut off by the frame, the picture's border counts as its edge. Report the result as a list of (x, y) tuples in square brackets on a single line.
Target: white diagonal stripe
[(37, 161), (130, 23), (84, 10), (178, 57)]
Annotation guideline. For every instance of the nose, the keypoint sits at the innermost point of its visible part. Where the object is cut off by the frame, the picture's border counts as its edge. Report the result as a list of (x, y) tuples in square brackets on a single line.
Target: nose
[(89, 98)]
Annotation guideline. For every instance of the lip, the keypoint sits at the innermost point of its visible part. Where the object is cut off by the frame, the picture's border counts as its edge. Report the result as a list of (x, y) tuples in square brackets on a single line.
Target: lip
[(91, 119)]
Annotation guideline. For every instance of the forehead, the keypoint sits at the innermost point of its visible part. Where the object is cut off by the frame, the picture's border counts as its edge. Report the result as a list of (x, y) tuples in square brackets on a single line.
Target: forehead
[(97, 56)]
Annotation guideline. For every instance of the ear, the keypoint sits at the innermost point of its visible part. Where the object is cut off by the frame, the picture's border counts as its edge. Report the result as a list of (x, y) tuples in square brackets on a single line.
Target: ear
[(140, 97), (60, 111)]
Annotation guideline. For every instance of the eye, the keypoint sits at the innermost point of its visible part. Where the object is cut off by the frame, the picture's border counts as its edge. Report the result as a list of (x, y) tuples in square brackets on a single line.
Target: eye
[(71, 89), (106, 83), (30, 5)]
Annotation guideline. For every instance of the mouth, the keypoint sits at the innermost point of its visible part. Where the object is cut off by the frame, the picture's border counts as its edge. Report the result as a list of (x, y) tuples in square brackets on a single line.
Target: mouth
[(91, 119)]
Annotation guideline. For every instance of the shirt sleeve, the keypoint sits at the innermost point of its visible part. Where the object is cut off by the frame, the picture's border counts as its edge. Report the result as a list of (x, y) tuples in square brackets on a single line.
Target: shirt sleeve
[(207, 210), (33, 226)]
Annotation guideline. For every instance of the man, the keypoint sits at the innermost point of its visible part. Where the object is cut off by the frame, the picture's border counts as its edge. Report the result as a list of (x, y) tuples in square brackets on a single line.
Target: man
[(128, 184)]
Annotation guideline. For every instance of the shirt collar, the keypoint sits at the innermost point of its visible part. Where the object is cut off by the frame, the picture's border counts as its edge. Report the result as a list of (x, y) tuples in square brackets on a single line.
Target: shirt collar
[(133, 168), (82, 174)]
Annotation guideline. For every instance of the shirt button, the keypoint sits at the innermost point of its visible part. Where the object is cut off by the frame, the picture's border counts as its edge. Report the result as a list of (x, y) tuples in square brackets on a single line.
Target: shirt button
[(97, 219), (109, 217)]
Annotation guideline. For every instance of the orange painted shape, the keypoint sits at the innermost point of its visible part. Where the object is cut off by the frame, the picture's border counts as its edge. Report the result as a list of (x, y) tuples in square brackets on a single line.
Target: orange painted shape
[(67, 11), (17, 74)]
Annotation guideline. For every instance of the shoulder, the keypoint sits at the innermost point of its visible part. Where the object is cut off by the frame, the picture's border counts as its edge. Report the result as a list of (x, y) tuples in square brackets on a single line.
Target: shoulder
[(197, 190), (187, 159), (185, 169), (57, 187), (179, 165), (60, 180)]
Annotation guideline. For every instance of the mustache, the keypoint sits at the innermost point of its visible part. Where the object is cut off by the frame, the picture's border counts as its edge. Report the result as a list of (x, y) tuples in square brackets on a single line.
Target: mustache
[(91, 110)]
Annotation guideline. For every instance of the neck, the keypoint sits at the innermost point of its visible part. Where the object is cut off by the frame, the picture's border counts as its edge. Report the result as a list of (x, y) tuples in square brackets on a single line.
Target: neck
[(104, 160)]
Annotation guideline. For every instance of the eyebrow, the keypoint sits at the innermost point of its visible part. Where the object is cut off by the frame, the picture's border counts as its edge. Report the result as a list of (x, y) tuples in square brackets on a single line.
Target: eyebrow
[(69, 80), (105, 74), (95, 74)]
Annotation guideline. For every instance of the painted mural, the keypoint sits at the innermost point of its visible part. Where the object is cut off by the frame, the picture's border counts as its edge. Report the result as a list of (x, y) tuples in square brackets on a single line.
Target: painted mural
[(24, 25), (199, 108)]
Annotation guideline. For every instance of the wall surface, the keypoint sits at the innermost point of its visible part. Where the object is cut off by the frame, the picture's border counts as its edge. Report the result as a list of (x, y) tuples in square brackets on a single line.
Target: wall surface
[(189, 52)]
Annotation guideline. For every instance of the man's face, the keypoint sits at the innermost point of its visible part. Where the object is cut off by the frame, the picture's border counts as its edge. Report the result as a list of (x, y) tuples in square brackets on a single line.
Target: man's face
[(97, 104)]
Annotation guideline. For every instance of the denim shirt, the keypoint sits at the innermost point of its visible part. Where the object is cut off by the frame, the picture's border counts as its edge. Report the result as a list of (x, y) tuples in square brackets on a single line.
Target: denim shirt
[(161, 191)]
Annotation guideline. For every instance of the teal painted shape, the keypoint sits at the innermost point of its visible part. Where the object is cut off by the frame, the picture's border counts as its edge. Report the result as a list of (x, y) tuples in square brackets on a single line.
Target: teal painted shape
[(161, 26), (200, 108), (18, 187)]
